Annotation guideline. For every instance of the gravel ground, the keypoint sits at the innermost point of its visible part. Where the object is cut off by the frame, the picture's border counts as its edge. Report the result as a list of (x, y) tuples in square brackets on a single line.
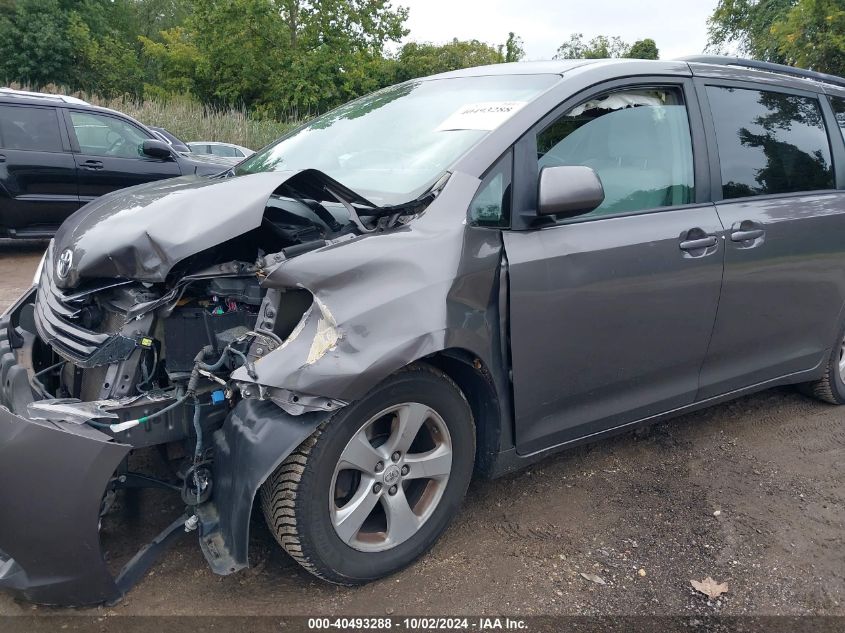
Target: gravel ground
[(751, 493)]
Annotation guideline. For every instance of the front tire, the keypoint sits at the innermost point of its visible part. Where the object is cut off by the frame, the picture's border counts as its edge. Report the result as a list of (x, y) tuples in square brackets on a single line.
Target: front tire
[(374, 487)]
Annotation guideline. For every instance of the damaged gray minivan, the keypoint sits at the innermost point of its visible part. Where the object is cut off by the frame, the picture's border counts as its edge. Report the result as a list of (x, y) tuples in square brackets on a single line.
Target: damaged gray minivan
[(456, 275)]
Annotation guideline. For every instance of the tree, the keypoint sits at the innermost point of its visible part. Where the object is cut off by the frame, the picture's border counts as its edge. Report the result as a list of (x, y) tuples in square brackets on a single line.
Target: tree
[(174, 60), (513, 51), (806, 33), (812, 35), (104, 65), (603, 47), (643, 49), (747, 25), (34, 49), (81, 44), (417, 59), (280, 57)]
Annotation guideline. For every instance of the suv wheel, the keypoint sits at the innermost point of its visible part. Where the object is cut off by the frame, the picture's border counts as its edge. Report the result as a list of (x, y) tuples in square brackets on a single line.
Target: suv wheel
[(374, 487)]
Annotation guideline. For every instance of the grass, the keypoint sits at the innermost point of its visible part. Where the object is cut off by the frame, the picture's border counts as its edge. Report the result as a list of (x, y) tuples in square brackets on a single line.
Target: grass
[(190, 120)]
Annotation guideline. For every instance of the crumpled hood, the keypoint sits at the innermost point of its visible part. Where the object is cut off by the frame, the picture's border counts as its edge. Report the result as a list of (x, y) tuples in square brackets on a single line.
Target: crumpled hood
[(141, 232)]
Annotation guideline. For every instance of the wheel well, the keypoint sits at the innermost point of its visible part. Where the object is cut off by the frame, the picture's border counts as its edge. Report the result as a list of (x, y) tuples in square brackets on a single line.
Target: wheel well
[(476, 383)]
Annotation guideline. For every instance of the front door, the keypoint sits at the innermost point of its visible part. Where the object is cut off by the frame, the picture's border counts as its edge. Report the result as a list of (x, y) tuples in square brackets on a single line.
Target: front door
[(611, 312), (109, 155)]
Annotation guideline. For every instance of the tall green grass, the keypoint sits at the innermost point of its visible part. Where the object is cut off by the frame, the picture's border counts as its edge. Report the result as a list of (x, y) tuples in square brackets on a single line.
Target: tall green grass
[(190, 120)]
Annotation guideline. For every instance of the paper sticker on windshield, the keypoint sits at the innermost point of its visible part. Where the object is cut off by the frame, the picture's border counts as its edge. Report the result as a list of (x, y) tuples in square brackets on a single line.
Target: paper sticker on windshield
[(485, 115)]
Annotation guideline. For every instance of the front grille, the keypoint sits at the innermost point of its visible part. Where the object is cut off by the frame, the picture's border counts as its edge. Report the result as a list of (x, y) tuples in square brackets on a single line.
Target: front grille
[(56, 318)]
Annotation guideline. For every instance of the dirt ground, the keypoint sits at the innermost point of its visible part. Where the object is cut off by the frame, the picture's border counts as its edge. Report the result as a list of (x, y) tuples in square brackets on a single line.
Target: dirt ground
[(751, 493)]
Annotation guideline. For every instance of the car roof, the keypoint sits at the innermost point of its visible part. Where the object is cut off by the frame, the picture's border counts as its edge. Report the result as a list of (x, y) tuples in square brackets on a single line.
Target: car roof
[(216, 143), (707, 66), (549, 67), (221, 143), (24, 97)]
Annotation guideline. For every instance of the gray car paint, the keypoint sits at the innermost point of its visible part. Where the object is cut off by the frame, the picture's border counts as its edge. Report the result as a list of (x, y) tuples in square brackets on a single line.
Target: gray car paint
[(781, 292), (616, 312), (438, 285), (394, 297)]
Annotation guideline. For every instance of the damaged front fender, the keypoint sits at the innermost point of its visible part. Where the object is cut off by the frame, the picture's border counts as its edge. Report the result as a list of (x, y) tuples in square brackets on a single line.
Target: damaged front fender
[(384, 300)]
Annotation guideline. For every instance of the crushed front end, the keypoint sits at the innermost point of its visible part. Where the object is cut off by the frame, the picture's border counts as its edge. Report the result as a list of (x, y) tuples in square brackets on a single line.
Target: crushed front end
[(85, 383), (217, 348), (100, 370)]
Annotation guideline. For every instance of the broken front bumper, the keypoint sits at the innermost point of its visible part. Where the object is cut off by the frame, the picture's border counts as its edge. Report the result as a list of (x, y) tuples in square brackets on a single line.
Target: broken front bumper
[(52, 479), (53, 476)]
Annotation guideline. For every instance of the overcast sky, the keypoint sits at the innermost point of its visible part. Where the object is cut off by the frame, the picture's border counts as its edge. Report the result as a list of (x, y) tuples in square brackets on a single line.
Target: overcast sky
[(678, 26)]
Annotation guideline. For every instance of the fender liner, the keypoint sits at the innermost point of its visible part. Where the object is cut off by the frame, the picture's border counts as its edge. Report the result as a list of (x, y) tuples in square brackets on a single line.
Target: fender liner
[(256, 437)]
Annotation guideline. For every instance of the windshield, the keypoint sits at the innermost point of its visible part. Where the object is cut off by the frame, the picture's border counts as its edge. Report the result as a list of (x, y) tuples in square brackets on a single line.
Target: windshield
[(391, 145)]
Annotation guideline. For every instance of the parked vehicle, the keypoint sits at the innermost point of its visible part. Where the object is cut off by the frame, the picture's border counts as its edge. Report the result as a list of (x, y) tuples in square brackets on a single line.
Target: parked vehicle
[(171, 139), (227, 150), (349, 324), (58, 153)]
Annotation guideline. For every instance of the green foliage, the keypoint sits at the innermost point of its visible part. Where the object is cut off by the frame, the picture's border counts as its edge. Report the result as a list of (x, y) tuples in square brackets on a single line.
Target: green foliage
[(33, 43), (280, 56), (812, 35), (279, 59), (747, 24), (104, 65), (805, 33), (643, 49), (419, 59), (513, 48), (604, 47), (174, 60)]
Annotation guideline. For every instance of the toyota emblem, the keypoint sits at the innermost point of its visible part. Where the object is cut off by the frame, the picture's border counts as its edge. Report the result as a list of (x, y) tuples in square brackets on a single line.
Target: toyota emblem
[(64, 263)]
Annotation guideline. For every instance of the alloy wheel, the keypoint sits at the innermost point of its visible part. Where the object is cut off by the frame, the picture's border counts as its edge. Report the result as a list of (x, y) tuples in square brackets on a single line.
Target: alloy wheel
[(390, 477)]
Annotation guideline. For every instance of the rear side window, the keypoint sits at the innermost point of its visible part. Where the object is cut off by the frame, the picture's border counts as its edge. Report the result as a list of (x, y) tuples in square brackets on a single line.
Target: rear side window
[(838, 105), (769, 142), (29, 128)]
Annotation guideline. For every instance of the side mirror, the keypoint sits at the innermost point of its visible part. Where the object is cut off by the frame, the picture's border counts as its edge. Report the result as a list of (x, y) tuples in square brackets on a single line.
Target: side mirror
[(568, 190), (156, 149)]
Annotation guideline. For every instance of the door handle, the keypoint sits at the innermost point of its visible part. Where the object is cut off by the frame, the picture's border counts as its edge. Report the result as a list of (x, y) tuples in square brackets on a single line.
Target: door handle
[(92, 164), (2, 158), (702, 242), (743, 236)]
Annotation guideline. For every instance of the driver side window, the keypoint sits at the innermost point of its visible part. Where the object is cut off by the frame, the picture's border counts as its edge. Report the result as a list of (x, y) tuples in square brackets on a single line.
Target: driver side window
[(100, 135), (638, 142)]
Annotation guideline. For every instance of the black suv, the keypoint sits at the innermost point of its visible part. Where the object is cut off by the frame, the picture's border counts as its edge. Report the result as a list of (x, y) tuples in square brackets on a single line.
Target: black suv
[(58, 152)]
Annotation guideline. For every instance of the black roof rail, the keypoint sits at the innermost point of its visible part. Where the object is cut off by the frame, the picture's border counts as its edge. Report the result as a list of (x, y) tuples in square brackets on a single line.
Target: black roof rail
[(723, 60)]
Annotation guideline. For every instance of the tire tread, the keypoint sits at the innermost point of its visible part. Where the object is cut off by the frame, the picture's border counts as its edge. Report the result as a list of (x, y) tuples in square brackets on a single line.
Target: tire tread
[(278, 501)]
